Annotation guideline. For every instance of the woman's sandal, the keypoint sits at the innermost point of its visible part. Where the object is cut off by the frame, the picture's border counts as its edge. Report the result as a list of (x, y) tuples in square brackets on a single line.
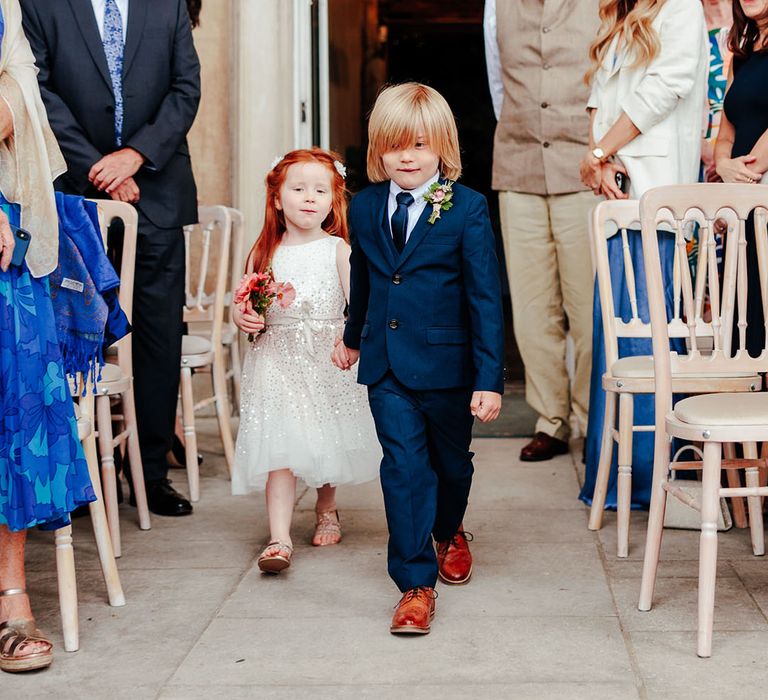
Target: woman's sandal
[(328, 524), (18, 635), (275, 557)]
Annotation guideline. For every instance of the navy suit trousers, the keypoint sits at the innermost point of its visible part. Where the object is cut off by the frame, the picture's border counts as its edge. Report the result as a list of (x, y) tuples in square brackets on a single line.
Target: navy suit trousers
[(426, 473)]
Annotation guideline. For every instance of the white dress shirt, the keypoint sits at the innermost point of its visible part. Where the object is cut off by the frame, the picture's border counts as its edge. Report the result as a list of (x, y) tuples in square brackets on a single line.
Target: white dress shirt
[(492, 58), (416, 209), (98, 10)]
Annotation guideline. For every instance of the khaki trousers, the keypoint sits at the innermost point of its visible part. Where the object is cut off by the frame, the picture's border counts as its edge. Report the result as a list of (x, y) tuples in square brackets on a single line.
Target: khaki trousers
[(546, 244)]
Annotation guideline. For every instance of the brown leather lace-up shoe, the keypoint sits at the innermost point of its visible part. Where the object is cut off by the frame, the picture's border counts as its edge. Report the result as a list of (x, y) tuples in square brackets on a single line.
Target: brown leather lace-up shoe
[(414, 612), (454, 560), (542, 448)]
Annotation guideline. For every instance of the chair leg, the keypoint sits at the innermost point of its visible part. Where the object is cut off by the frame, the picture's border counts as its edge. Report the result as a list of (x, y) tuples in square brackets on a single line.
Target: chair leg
[(734, 481), (624, 481), (710, 503), (604, 463), (65, 570), (190, 436), (134, 455), (655, 532), (101, 529), (108, 476), (752, 477), (223, 410)]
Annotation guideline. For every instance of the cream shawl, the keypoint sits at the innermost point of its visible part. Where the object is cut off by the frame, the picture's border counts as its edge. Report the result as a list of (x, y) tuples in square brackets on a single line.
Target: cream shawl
[(30, 160)]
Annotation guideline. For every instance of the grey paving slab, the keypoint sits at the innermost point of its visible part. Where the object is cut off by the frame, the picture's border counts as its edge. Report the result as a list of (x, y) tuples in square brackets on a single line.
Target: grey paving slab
[(361, 650), (670, 667), (675, 606), (422, 691)]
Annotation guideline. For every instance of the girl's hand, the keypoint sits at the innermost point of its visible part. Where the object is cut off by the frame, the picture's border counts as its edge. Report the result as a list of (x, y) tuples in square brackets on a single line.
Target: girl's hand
[(7, 242), (737, 169), (342, 356), (485, 405), (248, 321), (608, 184), (589, 172)]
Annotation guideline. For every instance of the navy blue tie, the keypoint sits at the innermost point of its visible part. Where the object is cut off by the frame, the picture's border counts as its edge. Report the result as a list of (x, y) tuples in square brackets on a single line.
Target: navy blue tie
[(399, 219)]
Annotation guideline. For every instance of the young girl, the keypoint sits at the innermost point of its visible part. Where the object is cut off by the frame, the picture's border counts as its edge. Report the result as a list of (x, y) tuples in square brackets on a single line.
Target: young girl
[(299, 417)]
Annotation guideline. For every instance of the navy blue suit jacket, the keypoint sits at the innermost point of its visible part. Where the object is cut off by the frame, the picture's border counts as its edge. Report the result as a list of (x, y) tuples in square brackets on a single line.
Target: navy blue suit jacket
[(432, 314)]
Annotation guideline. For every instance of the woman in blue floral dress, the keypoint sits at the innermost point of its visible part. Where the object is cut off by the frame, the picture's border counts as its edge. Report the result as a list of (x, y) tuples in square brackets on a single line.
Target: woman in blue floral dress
[(43, 474)]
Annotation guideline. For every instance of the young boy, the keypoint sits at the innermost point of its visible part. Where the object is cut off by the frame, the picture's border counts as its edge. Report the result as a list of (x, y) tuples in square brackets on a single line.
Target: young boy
[(425, 320)]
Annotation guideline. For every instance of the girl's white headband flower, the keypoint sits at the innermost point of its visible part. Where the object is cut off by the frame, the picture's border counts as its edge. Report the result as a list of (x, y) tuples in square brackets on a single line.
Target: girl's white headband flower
[(340, 169)]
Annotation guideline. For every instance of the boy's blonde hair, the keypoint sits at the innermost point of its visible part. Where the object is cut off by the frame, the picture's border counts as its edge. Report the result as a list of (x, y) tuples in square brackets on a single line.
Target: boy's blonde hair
[(398, 115)]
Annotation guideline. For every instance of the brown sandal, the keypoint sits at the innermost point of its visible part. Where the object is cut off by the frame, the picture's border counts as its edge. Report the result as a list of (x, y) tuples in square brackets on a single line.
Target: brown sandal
[(15, 637), (328, 523), (279, 560)]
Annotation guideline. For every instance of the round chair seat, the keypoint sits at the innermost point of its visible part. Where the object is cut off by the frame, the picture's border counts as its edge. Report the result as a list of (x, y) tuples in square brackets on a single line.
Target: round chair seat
[(724, 410), (641, 367), (112, 381), (196, 351)]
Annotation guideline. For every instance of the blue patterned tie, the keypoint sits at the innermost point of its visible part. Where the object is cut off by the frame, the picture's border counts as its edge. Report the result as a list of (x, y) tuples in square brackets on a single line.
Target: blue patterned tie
[(113, 48), (399, 219)]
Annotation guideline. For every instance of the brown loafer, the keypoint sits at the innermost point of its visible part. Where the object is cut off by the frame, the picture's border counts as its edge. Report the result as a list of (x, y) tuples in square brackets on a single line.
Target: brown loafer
[(454, 560), (414, 612), (542, 448)]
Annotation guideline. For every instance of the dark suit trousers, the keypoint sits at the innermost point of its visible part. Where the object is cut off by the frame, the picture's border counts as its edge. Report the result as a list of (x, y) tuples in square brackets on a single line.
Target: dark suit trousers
[(158, 301), (426, 472)]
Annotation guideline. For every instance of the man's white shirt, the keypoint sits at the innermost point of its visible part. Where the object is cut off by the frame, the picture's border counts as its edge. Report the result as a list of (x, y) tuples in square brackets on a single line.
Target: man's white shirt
[(98, 10)]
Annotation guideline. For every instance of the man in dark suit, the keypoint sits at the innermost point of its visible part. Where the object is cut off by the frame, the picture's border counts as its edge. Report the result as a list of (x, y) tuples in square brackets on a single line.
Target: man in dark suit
[(121, 83)]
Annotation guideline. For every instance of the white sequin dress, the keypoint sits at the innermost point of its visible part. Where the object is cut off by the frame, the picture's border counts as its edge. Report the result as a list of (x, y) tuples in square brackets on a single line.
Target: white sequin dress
[(298, 410)]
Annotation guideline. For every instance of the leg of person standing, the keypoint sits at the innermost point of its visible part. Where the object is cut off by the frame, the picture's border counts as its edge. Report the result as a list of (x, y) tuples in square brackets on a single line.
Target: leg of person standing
[(157, 331), (569, 216), (539, 318)]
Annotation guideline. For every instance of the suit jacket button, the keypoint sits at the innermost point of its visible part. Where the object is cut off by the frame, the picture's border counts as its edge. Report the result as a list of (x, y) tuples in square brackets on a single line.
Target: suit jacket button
[(396, 279), (110, 109), (393, 324)]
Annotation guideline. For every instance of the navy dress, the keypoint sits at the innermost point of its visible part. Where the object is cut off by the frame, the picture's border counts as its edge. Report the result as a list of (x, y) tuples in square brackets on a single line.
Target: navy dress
[(43, 473), (746, 106)]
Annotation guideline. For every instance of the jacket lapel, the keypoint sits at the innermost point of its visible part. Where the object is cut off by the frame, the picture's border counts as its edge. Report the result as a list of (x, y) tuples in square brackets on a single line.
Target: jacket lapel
[(385, 232), (137, 16), (86, 22), (613, 62), (421, 229)]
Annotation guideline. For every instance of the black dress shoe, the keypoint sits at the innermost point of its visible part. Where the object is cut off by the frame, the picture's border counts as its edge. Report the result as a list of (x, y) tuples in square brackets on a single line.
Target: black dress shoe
[(542, 448), (163, 499)]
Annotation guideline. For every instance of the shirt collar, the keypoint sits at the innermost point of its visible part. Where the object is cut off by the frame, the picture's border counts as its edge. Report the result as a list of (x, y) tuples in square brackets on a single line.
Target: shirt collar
[(418, 193)]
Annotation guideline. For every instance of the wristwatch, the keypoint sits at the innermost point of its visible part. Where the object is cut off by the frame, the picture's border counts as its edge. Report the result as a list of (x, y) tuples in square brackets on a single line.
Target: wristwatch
[(598, 153)]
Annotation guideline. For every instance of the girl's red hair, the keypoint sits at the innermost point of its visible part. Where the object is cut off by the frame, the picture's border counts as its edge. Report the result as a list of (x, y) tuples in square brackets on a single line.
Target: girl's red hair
[(260, 257)]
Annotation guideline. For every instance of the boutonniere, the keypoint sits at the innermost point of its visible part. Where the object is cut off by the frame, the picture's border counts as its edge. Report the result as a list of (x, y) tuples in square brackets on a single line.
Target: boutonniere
[(439, 196)]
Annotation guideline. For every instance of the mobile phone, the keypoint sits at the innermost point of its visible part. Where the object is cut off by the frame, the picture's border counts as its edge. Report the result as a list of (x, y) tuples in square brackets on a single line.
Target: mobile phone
[(22, 244), (622, 182)]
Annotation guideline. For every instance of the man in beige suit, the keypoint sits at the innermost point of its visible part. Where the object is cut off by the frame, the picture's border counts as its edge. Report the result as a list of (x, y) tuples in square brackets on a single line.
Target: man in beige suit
[(537, 54)]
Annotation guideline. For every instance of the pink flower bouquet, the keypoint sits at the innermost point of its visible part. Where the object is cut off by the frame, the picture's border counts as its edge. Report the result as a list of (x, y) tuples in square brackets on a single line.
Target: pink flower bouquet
[(259, 290)]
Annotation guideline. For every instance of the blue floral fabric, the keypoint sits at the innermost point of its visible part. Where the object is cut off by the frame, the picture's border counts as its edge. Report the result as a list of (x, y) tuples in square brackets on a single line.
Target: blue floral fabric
[(113, 48), (43, 473)]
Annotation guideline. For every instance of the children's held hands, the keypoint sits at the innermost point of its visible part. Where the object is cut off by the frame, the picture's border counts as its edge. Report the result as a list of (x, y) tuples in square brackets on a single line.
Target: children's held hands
[(485, 406), (342, 356)]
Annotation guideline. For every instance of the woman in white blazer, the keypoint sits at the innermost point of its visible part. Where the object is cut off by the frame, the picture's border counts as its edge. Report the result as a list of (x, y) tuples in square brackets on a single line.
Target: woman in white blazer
[(649, 81), (649, 76)]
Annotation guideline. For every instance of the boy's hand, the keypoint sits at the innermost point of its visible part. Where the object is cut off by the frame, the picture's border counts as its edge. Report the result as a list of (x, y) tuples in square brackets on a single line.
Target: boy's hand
[(342, 356), (485, 406)]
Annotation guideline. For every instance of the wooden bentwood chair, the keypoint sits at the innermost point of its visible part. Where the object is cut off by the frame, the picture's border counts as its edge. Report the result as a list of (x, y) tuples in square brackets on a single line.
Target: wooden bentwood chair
[(716, 420), (626, 377), (208, 241)]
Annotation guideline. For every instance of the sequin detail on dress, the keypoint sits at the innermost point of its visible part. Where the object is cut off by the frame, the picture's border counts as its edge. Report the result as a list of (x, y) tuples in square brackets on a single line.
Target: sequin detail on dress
[(297, 410)]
